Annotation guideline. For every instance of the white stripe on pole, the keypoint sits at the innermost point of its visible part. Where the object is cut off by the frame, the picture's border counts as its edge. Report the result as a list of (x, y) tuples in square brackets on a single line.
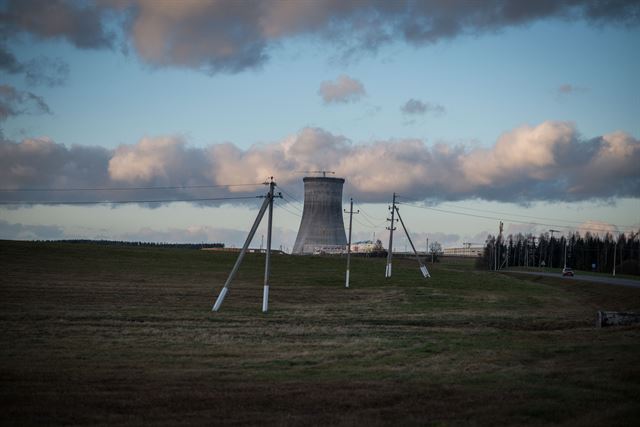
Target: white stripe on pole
[(223, 293), (265, 299)]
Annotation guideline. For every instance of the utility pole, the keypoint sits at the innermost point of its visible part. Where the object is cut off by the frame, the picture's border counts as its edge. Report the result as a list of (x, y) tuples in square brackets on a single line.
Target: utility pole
[(267, 264), (551, 244), (387, 272), (423, 268), (615, 250), (351, 212), (497, 248), (267, 203)]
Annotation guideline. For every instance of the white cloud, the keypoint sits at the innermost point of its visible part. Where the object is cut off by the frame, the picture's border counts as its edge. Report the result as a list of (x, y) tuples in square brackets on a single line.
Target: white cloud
[(531, 163)]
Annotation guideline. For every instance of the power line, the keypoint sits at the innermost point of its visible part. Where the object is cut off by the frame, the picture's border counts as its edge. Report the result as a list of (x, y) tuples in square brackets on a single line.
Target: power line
[(367, 226), (290, 195), (371, 216), (505, 214), (287, 210), (122, 202), (520, 215), (177, 187), (508, 219)]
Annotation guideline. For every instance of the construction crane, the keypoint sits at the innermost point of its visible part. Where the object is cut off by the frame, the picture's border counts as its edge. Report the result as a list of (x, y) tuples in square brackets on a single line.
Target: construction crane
[(324, 173), (468, 246)]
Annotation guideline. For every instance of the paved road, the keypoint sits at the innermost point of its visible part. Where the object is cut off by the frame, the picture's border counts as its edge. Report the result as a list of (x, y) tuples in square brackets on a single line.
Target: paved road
[(583, 278)]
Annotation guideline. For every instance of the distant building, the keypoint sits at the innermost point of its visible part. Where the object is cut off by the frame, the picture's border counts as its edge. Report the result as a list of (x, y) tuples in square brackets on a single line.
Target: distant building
[(464, 252)]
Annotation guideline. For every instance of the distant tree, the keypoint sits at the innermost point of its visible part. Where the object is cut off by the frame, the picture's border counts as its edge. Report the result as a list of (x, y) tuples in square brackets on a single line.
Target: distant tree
[(435, 249)]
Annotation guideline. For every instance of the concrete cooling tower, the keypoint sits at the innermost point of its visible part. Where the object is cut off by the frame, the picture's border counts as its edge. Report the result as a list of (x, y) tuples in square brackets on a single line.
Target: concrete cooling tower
[(322, 227)]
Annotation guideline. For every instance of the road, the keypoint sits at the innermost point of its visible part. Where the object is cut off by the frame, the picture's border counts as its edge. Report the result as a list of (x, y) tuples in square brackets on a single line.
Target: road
[(583, 278)]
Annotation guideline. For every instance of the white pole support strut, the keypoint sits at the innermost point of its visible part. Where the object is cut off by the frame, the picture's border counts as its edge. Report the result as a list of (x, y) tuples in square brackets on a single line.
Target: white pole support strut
[(423, 268)]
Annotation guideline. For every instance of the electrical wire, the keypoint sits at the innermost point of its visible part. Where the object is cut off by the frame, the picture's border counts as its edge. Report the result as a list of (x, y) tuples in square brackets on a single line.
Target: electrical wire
[(178, 187), (506, 219), (364, 212), (290, 195), (122, 202), (508, 214), (355, 219), (287, 210)]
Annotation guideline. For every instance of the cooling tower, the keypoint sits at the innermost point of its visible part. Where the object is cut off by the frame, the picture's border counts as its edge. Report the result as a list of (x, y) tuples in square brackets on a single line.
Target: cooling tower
[(322, 228)]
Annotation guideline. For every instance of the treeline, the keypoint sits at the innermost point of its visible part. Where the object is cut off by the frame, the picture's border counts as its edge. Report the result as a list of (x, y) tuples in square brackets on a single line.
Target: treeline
[(589, 252), (140, 244)]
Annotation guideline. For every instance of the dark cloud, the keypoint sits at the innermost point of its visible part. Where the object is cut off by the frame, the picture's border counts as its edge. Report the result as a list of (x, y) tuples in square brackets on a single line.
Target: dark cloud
[(46, 71), (79, 22), (9, 63), (547, 162), (14, 102), (42, 163), (417, 107), (39, 71), (231, 35)]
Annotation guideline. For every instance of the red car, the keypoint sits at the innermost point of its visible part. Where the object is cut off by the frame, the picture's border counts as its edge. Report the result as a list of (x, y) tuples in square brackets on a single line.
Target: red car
[(567, 272)]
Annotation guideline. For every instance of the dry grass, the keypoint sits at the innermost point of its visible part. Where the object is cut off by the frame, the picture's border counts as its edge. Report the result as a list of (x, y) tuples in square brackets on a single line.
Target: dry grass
[(104, 335)]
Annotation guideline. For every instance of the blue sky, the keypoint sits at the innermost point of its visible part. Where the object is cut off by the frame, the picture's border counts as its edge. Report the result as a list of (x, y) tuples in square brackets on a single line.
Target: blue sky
[(561, 80)]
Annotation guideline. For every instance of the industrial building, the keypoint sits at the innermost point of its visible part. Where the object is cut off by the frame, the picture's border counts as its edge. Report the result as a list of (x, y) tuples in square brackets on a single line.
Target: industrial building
[(322, 226), (464, 251)]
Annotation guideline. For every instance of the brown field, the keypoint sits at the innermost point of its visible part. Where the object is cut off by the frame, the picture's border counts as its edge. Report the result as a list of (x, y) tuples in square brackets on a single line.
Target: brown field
[(122, 335)]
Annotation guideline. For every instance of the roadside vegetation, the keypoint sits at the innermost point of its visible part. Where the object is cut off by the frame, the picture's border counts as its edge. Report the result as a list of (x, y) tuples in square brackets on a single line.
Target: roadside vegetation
[(118, 334)]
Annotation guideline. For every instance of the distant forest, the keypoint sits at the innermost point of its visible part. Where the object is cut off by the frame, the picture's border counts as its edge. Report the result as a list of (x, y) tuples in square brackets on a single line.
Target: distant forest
[(589, 252), (141, 244)]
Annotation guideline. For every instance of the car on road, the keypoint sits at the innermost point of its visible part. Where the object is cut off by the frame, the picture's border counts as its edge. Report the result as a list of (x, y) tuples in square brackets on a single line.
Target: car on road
[(567, 272)]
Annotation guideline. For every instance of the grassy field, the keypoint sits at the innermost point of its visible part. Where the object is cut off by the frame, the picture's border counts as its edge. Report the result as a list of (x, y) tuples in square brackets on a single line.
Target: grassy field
[(122, 335)]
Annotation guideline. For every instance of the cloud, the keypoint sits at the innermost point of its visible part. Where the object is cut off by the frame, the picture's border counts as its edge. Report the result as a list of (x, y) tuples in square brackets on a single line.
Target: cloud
[(29, 232), (597, 228), (14, 102), (38, 71), (417, 107), (343, 90), (547, 162), (159, 161), (80, 23), (232, 36), (569, 89)]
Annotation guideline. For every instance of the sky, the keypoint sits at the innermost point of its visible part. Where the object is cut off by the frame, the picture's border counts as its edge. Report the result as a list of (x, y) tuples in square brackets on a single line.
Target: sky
[(472, 112)]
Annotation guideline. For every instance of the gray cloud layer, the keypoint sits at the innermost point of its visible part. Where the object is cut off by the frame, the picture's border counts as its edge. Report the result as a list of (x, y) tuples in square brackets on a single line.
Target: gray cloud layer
[(544, 162), (231, 35)]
